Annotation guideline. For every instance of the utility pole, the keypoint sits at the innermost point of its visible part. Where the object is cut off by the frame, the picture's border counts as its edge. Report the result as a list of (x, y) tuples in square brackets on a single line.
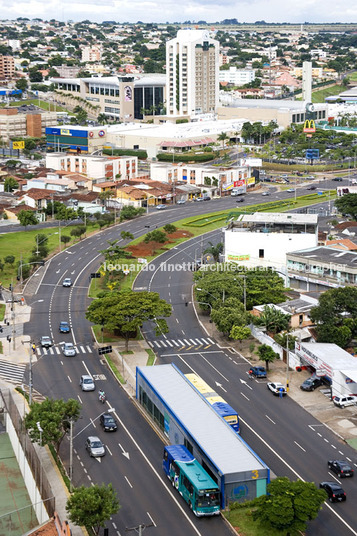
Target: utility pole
[(59, 234), (13, 316), (287, 361), (70, 455), (139, 528)]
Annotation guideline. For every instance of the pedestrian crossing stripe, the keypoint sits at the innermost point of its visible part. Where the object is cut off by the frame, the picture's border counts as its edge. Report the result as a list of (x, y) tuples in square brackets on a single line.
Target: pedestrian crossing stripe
[(12, 371), (57, 350), (181, 344)]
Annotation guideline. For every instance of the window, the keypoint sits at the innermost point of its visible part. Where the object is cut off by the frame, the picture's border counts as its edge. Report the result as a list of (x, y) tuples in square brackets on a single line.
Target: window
[(261, 254)]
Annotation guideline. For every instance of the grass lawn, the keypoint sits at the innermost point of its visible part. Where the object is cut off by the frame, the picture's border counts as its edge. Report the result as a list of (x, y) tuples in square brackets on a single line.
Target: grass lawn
[(242, 521), (1, 348), (321, 94), (353, 76), (151, 358), (110, 337), (2, 311)]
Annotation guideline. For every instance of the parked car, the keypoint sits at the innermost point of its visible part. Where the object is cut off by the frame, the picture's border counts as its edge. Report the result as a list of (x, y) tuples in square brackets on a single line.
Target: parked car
[(87, 383), (258, 372), (276, 388), (46, 341), (334, 491), (160, 207), (343, 401), (108, 423), (310, 384), (340, 467), (67, 282), (95, 447), (68, 349), (206, 198), (181, 202), (64, 327), (198, 199)]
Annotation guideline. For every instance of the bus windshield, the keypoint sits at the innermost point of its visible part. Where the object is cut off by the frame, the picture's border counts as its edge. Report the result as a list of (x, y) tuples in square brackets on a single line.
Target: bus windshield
[(208, 498)]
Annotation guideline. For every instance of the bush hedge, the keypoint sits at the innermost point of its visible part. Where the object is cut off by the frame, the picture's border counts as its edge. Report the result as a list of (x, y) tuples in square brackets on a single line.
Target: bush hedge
[(142, 155), (168, 157)]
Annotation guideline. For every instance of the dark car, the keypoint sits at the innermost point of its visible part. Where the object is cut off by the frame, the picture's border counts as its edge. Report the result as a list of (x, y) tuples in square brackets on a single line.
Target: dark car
[(64, 327), (311, 384), (258, 372), (334, 491), (337, 179), (108, 423), (240, 200), (207, 198), (311, 188), (340, 467)]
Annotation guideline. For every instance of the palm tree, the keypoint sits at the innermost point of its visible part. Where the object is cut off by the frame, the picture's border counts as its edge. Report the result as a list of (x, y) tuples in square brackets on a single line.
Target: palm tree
[(214, 250), (222, 137), (273, 319)]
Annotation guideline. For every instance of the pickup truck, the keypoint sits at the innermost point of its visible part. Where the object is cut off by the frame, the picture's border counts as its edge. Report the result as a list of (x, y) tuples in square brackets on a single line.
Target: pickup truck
[(258, 372)]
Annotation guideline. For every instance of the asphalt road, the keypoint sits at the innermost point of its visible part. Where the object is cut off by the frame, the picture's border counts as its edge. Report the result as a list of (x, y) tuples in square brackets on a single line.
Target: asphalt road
[(133, 460)]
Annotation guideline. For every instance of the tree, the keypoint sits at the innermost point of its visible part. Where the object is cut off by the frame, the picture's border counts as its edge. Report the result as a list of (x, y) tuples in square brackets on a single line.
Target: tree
[(273, 319), (267, 354), (155, 236), (335, 316), (214, 250), (21, 84), (104, 196), (129, 213), (102, 119), (347, 204), (125, 235), (27, 217), (288, 506), (223, 138), (285, 338), (125, 312), (10, 184), (35, 75), (78, 231), (55, 417), (239, 333), (9, 259), (65, 239), (228, 314), (93, 506)]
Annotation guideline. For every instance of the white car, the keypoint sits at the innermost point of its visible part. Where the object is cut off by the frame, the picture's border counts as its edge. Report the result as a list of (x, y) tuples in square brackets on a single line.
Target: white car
[(160, 207), (68, 349), (46, 341), (343, 401), (181, 202), (67, 282), (276, 388), (265, 193), (87, 383)]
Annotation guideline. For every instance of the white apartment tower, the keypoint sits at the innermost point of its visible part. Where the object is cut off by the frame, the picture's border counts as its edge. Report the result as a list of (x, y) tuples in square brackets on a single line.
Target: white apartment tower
[(192, 69)]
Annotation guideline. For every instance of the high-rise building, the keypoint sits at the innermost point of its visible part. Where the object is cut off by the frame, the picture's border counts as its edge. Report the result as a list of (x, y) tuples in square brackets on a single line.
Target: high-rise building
[(7, 67), (192, 64), (306, 81)]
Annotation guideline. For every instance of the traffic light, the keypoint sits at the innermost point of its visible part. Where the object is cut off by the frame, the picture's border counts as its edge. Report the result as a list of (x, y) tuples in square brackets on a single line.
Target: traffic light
[(10, 287)]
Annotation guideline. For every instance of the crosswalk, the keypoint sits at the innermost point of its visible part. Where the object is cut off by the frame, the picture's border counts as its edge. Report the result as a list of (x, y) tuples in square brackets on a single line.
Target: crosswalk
[(180, 344), (56, 350), (12, 371)]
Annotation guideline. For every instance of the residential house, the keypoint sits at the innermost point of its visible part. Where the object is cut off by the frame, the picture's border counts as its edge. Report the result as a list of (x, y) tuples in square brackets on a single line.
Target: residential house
[(35, 198)]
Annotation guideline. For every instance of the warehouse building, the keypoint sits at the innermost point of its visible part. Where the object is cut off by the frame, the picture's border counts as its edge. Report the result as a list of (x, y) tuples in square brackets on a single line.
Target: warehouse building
[(186, 418)]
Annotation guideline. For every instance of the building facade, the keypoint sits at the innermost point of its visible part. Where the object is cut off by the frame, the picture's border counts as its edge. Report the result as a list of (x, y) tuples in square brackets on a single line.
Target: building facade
[(95, 167), (192, 69), (237, 77), (264, 239), (7, 67), (14, 124)]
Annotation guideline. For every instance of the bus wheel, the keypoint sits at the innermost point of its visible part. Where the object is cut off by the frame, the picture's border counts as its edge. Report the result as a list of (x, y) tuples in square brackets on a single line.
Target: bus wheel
[(190, 505), (173, 482)]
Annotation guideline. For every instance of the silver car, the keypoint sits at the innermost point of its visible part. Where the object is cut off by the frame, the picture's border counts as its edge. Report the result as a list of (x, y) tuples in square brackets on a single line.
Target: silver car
[(343, 401), (46, 341), (87, 383), (95, 447), (68, 349), (67, 282)]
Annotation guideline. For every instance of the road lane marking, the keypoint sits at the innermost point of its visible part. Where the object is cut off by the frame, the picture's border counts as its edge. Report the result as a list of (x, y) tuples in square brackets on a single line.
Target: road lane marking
[(300, 447), (271, 420)]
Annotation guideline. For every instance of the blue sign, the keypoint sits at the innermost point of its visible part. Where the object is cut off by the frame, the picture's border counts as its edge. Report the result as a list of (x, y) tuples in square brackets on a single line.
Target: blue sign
[(312, 154)]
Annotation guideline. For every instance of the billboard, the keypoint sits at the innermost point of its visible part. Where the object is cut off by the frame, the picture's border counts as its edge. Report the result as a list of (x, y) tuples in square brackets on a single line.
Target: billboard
[(18, 145), (237, 258), (251, 162)]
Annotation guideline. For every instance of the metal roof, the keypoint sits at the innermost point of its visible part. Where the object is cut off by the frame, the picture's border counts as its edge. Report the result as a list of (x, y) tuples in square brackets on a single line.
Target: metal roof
[(229, 453), (279, 217), (331, 354)]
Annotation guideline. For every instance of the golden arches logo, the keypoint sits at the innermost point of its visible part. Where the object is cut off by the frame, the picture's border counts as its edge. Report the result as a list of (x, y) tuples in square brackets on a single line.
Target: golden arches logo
[(309, 126)]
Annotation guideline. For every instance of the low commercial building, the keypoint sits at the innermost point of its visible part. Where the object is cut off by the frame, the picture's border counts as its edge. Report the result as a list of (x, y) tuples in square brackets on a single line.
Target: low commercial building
[(321, 268), (186, 418), (264, 239), (329, 360), (76, 139), (16, 124), (95, 167)]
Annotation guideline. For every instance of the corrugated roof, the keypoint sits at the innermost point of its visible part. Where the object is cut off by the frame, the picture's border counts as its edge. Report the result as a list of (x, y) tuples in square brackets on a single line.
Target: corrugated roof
[(220, 443)]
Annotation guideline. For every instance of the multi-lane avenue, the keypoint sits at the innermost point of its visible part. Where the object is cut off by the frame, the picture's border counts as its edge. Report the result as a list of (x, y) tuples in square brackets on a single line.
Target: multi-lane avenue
[(287, 438)]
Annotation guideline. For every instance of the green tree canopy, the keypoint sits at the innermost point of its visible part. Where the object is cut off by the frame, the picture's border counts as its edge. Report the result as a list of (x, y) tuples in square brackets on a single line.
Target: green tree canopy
[(93, 506), (267, 354), (336, 316), (288, 506), (214, 250), (229, 314), (273, 319), (27, 217), (347, 204), (10, 184), (125, 312), (54, 417)]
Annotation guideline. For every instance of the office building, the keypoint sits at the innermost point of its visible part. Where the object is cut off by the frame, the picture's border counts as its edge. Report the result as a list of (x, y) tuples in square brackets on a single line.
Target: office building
[(7, 67), (192, 60), (237, 77)]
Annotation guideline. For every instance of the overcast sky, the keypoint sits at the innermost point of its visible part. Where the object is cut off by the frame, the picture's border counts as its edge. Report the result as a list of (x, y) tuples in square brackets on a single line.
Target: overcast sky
[(295, 11)]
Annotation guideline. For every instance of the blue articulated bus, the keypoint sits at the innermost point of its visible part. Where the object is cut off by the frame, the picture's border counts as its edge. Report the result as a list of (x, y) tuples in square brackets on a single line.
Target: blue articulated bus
[(220, 406), (197, 488)]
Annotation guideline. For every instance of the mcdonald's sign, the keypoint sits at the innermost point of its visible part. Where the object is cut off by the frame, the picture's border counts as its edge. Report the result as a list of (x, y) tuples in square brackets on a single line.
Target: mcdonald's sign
[(309, 126)]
